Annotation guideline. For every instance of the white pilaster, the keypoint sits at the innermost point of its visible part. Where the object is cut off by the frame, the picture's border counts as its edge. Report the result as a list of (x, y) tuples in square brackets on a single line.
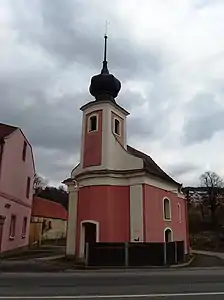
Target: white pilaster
[(136, 213), (72, 221)]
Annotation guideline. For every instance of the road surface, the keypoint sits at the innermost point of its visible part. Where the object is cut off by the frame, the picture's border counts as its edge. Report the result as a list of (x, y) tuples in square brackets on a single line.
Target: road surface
[(178, 284)]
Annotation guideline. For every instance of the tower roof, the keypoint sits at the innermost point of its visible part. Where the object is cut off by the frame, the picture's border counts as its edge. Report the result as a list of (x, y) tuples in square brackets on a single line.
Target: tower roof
[(104, 84)]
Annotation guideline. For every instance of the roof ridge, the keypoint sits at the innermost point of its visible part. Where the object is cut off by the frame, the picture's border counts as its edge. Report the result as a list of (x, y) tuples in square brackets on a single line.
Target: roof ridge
[(9, 125), (6, 130), (48, 200)]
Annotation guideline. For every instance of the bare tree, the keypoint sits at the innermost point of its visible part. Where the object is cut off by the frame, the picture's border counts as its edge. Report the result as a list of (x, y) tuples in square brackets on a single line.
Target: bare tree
[(39, 184), (214, 187)]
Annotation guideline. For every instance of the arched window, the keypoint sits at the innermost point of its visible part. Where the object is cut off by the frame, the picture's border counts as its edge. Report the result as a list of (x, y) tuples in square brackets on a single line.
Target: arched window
[(166, 209), (92, 123), (168, 235), (116, 126)]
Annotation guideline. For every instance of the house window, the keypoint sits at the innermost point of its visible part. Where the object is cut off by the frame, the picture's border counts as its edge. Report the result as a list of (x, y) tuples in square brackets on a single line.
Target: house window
[(168, 235), (116, 126), (92, 126), (166, 209), (24, 227), (28, 187), (179, 213), (24, 150), (12, 228)]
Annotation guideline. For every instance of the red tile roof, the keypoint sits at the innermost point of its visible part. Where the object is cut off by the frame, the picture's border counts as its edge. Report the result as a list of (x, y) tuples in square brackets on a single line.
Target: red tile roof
[(48, 209), (6, 130)]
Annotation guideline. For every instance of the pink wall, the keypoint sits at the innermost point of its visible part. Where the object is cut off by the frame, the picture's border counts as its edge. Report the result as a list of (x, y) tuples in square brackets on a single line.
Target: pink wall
[(20, 211), (109, 205), (13, 182), (93, 143), (153, 217)]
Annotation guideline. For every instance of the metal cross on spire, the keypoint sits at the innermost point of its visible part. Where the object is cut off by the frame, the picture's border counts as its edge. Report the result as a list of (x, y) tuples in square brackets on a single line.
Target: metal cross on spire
[(106, 28)]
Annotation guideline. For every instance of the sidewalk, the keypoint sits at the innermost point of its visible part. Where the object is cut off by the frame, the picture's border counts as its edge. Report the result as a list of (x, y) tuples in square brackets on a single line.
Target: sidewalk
[(209, 253)]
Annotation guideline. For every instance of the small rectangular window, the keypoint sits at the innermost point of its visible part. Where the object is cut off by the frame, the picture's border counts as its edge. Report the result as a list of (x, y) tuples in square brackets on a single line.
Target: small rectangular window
[(24, 227), (117, 126), (179, 213), (12, 229), (167, 209), (28, 187), (24, 150), (93, 123)]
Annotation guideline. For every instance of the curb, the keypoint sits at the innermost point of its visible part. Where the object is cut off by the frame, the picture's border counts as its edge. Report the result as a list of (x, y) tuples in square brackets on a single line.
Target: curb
[(88, 268), (184, 264), (49, 258)]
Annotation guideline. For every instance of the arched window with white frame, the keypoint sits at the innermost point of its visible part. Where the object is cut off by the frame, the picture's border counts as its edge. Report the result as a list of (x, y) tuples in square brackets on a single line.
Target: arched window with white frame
[(117, 126), (166, 209), (93, 123)]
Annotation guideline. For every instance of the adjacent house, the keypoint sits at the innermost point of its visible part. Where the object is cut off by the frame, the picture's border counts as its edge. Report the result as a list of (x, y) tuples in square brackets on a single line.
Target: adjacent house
[(48, 221), (16, 188)]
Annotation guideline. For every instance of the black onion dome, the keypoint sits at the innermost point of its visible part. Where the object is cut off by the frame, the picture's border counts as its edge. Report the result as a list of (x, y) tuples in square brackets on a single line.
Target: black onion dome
[(104, 83)]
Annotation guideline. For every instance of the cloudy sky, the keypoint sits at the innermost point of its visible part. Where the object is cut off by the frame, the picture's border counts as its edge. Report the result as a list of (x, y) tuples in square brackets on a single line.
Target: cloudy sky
[(168, 54)]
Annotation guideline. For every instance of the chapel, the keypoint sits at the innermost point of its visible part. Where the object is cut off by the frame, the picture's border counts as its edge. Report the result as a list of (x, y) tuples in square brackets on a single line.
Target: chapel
[(116, 192)]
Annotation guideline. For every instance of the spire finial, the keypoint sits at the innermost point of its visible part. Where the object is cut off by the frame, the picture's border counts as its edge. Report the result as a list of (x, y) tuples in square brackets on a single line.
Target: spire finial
[(105, 69)]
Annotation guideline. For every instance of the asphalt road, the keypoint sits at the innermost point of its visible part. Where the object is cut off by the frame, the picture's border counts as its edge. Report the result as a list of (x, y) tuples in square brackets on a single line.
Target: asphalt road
[(178, 284)]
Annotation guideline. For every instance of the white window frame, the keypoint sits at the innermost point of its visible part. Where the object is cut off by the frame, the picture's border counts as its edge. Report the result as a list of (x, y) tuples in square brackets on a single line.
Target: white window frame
[(12, 234), (164, 215), (89, 123), (24, 228), (179, 212), (116, 119)]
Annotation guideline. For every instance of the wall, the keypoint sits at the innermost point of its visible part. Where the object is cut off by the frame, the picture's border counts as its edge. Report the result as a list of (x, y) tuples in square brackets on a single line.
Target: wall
[(13, 181), (15, 170), (57, 231), (108, 205), (112, 152), (92, 155), (154, 219), (20, 211)]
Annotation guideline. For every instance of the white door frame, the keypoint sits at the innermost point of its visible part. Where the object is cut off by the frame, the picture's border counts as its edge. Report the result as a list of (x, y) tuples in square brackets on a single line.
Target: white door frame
[(82, 235)]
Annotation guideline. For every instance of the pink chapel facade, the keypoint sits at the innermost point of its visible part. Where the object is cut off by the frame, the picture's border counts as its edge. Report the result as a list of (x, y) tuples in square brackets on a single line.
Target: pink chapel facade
[(117, 193), (16, 188)]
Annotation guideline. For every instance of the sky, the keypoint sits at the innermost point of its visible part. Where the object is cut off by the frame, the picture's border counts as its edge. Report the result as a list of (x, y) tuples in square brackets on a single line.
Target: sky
[(168, 55)]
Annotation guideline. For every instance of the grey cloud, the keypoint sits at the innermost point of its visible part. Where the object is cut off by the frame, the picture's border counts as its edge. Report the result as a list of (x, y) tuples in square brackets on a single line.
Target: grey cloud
[(182, 169), (68, 35), (67, 32), (58, 165), (54, 124), (200, 4), (205, 118)]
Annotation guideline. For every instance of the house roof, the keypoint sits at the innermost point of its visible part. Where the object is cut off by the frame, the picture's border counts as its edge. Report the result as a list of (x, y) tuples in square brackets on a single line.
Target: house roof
[(150, 166), (6, 130), (48, 209)]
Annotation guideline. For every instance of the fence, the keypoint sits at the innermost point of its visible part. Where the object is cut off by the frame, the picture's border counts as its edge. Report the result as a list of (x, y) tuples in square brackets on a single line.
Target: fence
[(134, 254)]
